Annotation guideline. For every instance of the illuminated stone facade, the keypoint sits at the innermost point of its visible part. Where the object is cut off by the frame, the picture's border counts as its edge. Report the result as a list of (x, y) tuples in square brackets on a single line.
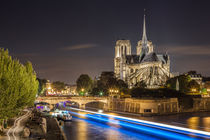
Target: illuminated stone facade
[(147, 66), (144, 106)]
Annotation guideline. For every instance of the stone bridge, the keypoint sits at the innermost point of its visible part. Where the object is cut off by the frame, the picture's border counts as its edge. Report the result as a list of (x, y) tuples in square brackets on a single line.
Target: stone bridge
[(80, 100), (131, 105)]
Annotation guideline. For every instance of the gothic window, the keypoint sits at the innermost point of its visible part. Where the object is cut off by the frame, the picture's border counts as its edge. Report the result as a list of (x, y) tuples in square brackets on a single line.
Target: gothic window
[(151, 69), (131, 70), (156, 71)]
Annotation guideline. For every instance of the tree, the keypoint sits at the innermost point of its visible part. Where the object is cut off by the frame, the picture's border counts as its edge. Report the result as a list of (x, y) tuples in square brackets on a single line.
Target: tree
[(193, 85), (58, 86), (18, 85), (183, 83), (192, 72), (96, 92), (122, 86), (42, 86), (108, 81), (84, 84)]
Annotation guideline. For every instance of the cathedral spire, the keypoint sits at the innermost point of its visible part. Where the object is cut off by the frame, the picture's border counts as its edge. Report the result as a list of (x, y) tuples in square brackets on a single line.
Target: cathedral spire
[(144, 37)]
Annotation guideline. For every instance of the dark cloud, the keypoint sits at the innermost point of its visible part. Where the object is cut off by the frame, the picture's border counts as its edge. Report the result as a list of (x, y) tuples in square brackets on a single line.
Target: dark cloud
[(190, 50), (79, 47)]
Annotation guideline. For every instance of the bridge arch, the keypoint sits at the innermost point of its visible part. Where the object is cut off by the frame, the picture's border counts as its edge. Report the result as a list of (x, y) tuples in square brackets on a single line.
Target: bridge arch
[(95, 105)]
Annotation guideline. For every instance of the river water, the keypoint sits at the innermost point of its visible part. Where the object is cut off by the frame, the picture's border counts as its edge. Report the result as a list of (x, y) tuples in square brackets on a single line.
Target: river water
[(81, 128)]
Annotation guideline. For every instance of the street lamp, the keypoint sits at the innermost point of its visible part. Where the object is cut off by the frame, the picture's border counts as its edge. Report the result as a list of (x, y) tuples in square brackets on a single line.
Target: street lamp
[(115, 91), (82, 91), (101, 93)]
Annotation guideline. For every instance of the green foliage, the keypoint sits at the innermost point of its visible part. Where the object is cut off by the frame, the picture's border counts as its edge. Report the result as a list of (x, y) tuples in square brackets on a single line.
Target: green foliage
[(184, 81), (18, 85), (84, 84), (42, 86), (96, 91), (204, 91), (108, 81), (58, 86)]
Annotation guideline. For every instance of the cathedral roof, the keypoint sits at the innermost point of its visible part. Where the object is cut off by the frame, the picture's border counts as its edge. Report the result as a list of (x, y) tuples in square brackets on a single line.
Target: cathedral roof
[(132, 59), (151, 57), (163, 58)]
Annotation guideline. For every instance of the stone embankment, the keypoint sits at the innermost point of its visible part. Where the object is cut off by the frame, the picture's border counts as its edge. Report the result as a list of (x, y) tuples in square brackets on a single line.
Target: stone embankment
[(44, 127), (37, 126)]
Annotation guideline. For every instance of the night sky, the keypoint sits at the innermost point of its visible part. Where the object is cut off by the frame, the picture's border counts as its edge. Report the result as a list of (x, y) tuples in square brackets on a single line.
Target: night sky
[(64, 39)]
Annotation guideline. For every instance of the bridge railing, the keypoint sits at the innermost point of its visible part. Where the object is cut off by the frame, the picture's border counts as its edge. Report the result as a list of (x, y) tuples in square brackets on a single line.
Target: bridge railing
[(74, 98)]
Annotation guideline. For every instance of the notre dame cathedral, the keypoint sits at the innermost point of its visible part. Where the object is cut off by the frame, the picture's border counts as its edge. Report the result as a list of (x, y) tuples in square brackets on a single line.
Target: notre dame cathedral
[(147, 66)]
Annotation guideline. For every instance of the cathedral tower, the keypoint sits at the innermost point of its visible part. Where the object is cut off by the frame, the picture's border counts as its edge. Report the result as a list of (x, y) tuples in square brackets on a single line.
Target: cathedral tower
[(122, 49)]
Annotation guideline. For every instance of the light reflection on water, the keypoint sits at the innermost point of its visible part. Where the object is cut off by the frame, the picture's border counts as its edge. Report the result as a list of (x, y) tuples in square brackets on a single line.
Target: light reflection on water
[(202, 123), (110, 134), (206, 124), (82, 129), (193, 122)]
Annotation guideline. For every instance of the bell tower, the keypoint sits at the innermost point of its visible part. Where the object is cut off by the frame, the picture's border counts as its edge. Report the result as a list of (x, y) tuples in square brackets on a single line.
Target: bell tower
[(122, 48)]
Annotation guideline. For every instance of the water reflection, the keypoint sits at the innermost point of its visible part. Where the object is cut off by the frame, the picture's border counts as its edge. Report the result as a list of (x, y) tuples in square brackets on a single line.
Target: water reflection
[(193, 122), (112, 135), (113, 122), (206, 123), (82, 130)]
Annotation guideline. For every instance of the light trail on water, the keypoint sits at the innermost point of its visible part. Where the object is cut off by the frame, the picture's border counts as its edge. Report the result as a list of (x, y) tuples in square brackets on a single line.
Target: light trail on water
[(149, 126)]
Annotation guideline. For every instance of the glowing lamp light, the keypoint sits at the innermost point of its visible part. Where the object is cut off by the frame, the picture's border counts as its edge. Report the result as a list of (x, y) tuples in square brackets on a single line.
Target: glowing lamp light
[(193, 90), (113, 90)]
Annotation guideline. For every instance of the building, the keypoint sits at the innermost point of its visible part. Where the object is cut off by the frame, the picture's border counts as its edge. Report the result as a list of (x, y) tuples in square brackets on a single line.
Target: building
[(67, 90), (145, 106), (147, 66), (73, 90), (49, 90), (195, 76), (206, 89)]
